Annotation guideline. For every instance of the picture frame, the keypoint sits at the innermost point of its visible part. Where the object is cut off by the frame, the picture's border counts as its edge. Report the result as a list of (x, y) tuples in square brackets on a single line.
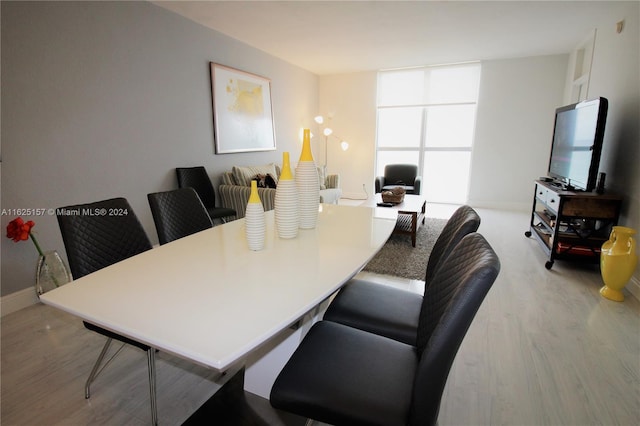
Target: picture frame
[(242, 111)]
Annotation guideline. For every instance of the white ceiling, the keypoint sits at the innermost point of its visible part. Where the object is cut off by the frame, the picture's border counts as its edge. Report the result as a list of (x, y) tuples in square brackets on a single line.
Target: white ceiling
[(333, 37)]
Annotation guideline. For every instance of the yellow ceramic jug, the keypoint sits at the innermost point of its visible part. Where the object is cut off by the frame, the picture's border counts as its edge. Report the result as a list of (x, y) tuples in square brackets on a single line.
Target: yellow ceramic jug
[(618, 261)]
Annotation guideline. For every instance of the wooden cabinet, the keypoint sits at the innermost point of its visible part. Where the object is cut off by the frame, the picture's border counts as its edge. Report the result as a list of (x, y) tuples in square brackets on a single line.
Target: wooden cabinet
[(571, 225)]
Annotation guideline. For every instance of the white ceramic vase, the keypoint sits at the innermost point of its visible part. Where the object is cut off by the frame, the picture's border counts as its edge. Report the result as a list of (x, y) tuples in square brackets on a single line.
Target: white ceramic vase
[(286, 202), (308, 185), (255, 223)]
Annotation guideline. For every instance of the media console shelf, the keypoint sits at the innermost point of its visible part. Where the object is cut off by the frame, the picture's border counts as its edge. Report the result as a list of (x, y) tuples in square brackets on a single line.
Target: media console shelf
[(571, 225)]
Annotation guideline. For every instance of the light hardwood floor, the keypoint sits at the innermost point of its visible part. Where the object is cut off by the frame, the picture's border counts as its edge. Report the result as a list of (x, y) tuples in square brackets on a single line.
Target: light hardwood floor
[(544, 349)]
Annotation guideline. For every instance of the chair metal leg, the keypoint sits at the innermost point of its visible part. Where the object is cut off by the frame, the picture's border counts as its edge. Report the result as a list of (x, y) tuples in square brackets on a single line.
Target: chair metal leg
[(94, 370), (151, 361)]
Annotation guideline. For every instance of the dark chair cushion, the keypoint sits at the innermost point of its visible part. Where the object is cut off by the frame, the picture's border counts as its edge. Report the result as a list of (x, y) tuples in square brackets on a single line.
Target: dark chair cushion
[(339, 374), (379, 309), (409, 189)]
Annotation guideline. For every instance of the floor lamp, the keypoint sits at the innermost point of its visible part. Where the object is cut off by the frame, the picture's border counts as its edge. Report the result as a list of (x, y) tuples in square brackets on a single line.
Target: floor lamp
[(328, 132)]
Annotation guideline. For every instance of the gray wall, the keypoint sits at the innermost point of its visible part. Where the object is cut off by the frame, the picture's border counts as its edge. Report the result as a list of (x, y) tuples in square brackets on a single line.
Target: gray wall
[(105, 99), (514, 127), (615, 74)]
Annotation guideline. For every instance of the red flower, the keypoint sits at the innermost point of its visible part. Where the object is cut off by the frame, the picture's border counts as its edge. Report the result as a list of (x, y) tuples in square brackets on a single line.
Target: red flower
[(18, 230)]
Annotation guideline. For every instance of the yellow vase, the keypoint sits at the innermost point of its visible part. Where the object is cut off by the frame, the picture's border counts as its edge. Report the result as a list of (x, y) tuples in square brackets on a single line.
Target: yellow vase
[(308, 185), (255, 226), (286, 202), (618, 261)]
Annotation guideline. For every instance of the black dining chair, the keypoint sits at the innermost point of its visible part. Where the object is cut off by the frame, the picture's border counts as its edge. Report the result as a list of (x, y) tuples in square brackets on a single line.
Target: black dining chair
[(198, 179), (345, 376), (97, 235), (178, 213), (394, 312)]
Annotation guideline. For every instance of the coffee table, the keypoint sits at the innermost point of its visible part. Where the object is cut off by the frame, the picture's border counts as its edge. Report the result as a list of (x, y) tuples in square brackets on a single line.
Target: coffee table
[(410, 213)]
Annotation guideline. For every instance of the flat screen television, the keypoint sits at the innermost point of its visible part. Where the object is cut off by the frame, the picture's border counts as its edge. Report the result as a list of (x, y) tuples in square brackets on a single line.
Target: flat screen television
[(578, 133)]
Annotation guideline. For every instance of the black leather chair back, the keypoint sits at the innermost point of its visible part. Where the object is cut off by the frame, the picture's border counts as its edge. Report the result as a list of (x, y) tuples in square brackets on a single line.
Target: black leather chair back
[(97, 235), (450, 303), (198, 179), (463, 221), (178, 213), (100, 234), (400, 173)]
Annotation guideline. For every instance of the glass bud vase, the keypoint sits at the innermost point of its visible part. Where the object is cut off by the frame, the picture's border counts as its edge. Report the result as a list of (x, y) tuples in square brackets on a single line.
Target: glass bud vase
[(51, 272), (308, 185)]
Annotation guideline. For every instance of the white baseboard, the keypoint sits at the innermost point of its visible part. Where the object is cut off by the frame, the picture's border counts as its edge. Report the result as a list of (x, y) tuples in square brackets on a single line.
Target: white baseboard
[(634, 287), (18, 300)]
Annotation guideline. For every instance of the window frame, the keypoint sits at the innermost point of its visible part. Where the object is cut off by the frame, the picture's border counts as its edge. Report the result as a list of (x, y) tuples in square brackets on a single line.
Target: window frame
[(422, 149)]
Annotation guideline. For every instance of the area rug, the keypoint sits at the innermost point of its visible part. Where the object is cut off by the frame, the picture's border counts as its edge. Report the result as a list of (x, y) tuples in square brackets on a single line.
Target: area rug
[(399, 258)]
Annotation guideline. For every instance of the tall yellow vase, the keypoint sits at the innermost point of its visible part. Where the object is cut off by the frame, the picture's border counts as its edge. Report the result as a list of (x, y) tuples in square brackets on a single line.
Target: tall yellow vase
[(618, 261), (286, 202), (308, 185)]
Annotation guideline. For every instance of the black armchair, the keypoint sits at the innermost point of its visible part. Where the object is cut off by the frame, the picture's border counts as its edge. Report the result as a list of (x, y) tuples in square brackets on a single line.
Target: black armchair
[(345, 376), (393, 312), (198, 179), (404, 175), (178, 213), (93, 242)]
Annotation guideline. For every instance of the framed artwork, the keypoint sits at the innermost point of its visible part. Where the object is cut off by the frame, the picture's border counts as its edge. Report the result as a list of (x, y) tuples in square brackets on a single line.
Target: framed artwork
[(242, 113)]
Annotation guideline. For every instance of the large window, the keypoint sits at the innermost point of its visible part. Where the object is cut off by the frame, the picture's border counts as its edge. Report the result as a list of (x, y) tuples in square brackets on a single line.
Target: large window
[(426, 116)]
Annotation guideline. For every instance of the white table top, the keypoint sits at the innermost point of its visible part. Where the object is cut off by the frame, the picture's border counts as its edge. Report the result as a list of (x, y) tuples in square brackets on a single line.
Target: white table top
[(411, 203), (209, 299)]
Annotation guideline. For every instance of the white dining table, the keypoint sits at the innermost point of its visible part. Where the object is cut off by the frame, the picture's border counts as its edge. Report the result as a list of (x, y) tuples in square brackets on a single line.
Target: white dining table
[(209, 299)]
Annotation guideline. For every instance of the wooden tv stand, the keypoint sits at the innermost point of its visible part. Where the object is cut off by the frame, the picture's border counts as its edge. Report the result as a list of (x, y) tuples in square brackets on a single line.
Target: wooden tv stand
[(572, 225)]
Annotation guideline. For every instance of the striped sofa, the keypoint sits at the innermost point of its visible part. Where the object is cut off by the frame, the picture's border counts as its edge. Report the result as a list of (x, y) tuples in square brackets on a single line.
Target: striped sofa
[(234, 188)]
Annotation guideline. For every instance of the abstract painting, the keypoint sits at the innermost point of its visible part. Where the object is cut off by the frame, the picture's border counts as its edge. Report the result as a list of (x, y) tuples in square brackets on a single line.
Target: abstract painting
[(242, 112)]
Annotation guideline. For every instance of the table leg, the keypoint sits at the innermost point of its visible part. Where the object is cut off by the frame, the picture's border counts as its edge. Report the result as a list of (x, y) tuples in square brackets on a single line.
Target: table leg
[(226, 404), (231, 405), (414, 228)]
